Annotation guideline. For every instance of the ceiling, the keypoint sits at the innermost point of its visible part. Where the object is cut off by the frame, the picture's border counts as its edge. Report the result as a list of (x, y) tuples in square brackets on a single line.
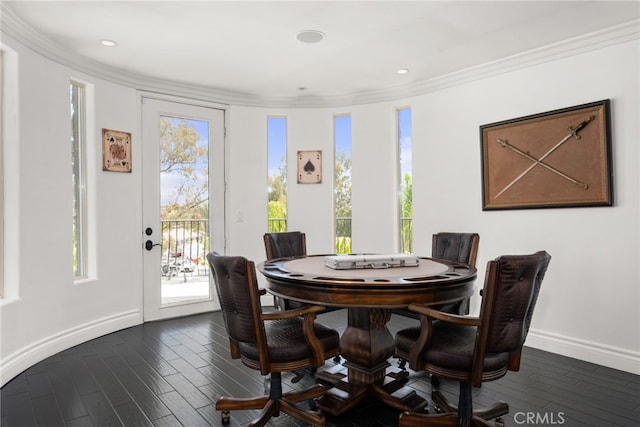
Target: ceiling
[(250, 48)]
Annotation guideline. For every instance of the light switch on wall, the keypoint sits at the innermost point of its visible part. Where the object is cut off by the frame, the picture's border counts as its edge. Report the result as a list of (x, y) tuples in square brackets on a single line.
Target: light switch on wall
[(240, 216)]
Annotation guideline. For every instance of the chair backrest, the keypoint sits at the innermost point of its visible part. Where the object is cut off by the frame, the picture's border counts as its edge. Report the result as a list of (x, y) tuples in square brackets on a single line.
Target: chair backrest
[(458, 247), (285, 245), (239, 297), (512, 284)]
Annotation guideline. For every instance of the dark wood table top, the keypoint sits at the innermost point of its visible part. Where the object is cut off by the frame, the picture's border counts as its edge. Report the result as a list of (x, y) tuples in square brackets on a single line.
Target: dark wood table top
[(309, 280)]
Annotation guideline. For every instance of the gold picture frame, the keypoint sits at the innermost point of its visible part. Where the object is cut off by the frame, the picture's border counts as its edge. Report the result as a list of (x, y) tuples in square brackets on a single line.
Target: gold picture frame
[(310, 167), (116, 151), (559, 158)]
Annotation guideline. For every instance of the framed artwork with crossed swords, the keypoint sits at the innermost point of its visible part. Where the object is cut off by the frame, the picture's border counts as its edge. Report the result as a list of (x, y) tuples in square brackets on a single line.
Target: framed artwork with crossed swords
[(559, 158)]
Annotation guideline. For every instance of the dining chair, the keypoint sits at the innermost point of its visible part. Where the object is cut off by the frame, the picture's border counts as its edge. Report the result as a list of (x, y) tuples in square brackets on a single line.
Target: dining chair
[(288, 244), (455, 247), (473, 350), (270, 342)]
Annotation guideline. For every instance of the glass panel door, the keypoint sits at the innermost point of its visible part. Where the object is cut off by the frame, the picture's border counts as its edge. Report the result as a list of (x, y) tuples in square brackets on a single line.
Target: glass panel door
[(183, 206)]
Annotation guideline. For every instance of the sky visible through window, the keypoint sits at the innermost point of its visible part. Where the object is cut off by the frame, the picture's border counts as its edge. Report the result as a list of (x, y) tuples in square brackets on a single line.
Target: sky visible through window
[(406, 186), (277, 143), (343, 134), (404, 135), (170, 182)]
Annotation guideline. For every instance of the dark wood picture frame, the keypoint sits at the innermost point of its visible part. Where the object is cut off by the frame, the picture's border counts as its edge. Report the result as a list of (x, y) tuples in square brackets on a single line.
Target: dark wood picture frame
[(560, 158)]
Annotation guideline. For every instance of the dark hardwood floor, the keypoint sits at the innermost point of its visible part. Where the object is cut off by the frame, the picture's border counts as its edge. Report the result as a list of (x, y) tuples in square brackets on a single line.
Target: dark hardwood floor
[(170, 373)]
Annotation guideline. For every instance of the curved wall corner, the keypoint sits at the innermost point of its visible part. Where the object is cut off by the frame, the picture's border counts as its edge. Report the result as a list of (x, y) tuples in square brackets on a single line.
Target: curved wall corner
[(19, 361)]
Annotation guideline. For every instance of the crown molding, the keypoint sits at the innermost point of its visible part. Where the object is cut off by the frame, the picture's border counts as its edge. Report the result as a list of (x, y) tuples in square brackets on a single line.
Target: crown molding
[(14, 27)]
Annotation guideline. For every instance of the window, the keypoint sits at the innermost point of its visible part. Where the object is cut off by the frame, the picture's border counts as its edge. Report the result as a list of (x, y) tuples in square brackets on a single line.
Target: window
[(406, 187), (184, 207), (1, 175), (9, 175), (277, 170), (342, 182), (78, 175)]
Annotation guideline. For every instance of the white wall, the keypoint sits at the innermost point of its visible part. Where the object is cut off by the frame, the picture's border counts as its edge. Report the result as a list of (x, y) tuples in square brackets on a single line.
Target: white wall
[(375, 181), (48, 312), (588, 307)]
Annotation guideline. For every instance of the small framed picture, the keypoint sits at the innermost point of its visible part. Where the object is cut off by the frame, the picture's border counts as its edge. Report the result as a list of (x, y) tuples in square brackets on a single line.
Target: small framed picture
[(116, 151), (309, 167)]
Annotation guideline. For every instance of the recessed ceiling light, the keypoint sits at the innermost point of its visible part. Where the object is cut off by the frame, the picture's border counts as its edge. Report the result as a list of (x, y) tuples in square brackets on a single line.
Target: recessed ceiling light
[(403, 71), (109, 43), (310, 36)]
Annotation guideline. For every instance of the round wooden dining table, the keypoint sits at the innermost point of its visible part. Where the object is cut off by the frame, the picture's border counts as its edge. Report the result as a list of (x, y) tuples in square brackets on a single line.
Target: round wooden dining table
[(369, 294)]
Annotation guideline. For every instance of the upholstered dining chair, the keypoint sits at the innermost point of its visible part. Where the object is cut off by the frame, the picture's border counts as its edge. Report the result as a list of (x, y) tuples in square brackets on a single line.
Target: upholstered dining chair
[(458, 247), (270, 342), (473, 350), (288, 244), (455, 247)]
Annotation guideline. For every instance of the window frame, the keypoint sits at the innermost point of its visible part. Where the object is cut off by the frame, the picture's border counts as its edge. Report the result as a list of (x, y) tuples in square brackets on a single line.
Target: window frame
[(403, 240), (342, 248), (10, 253), (2, 216), (79, 200), (282, 223)]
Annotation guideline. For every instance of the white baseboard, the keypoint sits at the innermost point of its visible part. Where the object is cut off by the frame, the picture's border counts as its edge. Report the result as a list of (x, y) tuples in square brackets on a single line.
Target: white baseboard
[(28, 356), (14, 364), (611, 357)]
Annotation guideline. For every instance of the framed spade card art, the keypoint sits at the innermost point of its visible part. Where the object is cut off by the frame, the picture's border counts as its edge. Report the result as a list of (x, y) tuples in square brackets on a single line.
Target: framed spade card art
[(559, 158), (116, 151), (309, 167)]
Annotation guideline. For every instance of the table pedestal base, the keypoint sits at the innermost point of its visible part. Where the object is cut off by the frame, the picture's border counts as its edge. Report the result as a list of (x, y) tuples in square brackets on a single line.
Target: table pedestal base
[(366, 345), (346, 394)]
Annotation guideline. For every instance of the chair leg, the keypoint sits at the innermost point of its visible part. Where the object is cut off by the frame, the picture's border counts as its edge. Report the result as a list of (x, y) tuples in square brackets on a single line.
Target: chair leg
[(267, 412), (275, 390), (308, 394), (237, 403), (298, 375), (275, 403), (409, 419), (496, 410), (435, 382), (313, 418), (402, 363), (465, 404), (442, 404)]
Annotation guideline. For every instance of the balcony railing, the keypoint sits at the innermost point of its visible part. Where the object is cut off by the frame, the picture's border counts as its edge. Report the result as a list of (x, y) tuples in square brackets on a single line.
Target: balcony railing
[(343, 235), (406, 235), (343, 232), (277, 225), (185, 244), (186, 241)]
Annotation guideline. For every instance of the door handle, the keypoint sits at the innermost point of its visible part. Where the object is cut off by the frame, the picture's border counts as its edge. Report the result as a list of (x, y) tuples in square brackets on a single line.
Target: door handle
[(149, 245)]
